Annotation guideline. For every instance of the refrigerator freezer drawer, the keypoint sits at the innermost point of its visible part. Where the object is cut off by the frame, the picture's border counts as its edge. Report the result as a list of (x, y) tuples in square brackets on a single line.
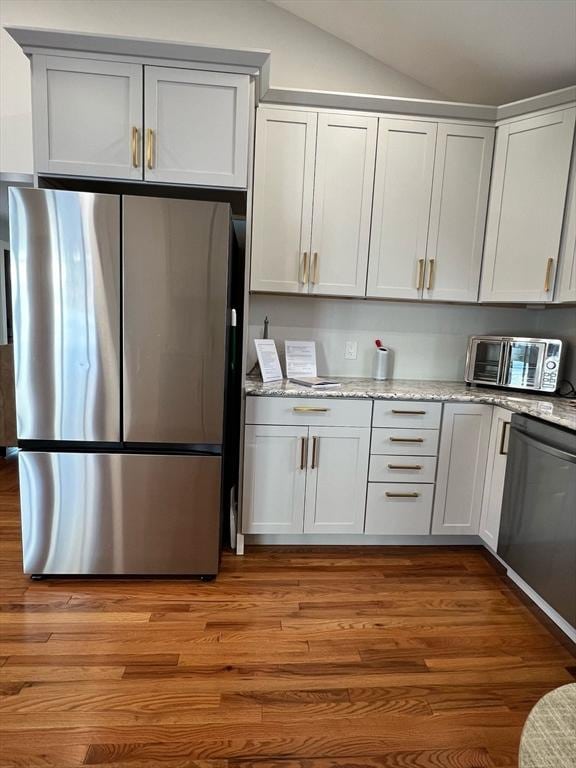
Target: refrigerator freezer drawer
[(113, 514)]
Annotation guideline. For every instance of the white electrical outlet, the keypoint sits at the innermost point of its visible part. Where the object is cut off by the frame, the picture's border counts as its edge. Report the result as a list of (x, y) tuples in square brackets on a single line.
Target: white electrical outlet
[(351, 350)]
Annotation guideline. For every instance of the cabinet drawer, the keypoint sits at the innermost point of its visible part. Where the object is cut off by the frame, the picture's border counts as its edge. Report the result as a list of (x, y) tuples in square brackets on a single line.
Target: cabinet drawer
[(405, 442), (408, 469), (399, 508), (308, 411), (407, 413)]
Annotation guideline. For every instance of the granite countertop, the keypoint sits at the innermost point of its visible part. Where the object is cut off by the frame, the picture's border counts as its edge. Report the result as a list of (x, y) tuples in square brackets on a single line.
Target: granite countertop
[(556, 410)]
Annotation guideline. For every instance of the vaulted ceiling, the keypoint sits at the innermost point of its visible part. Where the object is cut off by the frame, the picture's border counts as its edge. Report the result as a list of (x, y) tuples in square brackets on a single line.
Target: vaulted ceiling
[(483, 51)]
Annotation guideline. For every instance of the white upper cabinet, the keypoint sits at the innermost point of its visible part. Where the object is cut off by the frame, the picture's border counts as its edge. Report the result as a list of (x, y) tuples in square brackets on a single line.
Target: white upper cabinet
[(566, 281), (336, 480), (345, 158), (197, 127), (401, 208), (282, 208), (458, 212), (526, 208), (87, 117), (461, 468), (109, 119)]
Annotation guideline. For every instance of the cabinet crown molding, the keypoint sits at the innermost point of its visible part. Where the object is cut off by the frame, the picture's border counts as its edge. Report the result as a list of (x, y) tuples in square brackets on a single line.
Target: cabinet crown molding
[(426, 108), (243, 60)]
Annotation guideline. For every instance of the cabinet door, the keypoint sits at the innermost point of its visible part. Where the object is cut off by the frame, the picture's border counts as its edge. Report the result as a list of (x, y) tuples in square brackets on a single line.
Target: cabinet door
[(566, 282), (87, 117), (526, 209), (458, 212), (274, 479), (402, 187), (337, 480), (461, 468), (495, 472), (196, 127), (282, 208), (345, 158)]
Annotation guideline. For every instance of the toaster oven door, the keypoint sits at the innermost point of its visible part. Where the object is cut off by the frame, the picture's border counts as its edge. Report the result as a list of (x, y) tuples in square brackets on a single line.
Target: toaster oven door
[(524, 364), (485, 360)]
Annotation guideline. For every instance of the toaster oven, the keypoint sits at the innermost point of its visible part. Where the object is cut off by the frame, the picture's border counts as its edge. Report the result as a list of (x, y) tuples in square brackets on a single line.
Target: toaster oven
[(515, 362)]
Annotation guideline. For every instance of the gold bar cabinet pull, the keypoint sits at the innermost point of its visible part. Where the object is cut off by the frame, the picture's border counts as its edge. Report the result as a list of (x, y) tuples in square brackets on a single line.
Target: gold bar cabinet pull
[(150, 148), (547, 278), (309, 409), (134, 144), (406, 439), (412, 495), (412, 413), (303, 277), (420, 280), (431, 264), (315, 441), (315, 268), (404, 466), (303, 453)]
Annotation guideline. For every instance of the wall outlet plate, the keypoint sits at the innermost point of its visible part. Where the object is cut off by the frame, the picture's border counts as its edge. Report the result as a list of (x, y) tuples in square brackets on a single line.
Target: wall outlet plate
[(351, 350)]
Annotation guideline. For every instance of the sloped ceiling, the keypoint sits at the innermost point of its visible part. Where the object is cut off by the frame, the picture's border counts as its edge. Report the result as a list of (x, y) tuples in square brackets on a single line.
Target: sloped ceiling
[(483, 51)]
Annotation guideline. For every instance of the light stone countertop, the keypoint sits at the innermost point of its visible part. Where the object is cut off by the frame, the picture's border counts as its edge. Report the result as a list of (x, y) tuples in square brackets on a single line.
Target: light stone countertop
[(555, 410)]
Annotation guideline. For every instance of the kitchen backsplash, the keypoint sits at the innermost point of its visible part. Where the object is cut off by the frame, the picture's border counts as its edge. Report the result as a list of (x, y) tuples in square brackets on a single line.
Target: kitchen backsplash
[(428, 340)]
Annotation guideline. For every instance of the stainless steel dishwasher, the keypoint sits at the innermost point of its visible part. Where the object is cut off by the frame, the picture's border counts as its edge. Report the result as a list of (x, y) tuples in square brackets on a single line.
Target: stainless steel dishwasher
[(538, 527)]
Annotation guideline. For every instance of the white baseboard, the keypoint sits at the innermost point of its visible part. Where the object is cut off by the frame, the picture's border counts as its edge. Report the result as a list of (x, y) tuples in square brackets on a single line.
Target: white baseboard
[(314, 539), (568, 630)]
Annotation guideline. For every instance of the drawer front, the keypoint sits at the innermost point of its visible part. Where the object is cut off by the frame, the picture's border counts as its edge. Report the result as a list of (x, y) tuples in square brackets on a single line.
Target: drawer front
[(408, 414), (407, 469), (390, 513), (308, 411), (405, 442)]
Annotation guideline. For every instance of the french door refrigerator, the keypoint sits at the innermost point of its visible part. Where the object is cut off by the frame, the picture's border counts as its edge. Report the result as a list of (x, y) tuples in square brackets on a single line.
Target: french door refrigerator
[(121, 318)]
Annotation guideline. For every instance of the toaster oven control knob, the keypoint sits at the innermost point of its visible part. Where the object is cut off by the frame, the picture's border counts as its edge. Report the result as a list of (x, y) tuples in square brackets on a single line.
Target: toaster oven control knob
[(551, 365)]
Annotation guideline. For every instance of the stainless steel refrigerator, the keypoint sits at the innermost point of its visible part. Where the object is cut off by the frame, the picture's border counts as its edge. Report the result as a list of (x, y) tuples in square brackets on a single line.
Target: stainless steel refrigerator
[(121, 329)]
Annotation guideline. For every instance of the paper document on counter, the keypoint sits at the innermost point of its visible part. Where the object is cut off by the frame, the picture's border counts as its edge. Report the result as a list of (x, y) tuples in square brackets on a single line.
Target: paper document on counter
[(300, 358), (268, 359)]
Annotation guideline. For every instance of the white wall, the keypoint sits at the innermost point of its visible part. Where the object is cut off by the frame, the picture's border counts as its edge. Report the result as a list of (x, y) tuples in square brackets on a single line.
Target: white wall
[(303, 56), (429, 340)]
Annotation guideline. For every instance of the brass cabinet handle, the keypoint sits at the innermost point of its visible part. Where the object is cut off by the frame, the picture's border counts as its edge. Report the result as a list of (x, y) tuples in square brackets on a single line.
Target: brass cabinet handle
[(315, 268), (315, 441), (309, 409), (150, 148), (547, 278), (503, 436), (412, 495), (404, 466), (406, 439), (303, 453), (135, 159), (420, 280), (418, 413), (303, 273), (431, 264)]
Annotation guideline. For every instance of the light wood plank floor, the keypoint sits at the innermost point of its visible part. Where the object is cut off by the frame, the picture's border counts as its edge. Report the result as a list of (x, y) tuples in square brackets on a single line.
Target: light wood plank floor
[(299, 658)]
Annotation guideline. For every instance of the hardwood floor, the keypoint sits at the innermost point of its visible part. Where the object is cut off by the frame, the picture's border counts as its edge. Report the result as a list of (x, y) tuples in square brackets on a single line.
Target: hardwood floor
[(300, 658)]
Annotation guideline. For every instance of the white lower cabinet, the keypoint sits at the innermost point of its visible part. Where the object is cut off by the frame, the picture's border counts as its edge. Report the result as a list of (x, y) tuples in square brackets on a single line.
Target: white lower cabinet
[(461, 468), (336, 480), (399, 508), (495, 473), (301, 477), (274, 479)]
